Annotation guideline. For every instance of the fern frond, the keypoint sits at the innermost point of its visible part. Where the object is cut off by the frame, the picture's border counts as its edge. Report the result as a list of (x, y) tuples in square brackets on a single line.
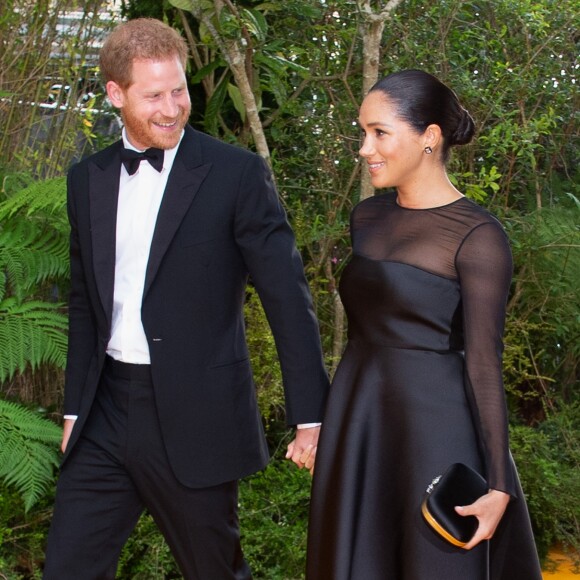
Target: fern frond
[(31, 333), (28, 451), (30, 254), (42, 197)]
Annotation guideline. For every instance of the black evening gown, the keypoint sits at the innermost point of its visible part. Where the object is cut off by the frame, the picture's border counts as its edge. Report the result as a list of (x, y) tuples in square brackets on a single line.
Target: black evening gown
[(419, 387)]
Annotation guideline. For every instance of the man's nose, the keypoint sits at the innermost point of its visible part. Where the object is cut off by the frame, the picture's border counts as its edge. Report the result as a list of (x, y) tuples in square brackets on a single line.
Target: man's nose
[(170, 107)]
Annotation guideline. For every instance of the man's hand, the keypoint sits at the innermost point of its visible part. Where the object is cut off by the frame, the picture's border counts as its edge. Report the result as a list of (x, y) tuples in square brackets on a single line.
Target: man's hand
[(66, 431), (302, 450)]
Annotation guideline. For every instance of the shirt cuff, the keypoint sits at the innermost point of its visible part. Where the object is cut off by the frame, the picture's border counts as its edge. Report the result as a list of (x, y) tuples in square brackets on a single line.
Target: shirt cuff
[(73, 417), (307, 425)]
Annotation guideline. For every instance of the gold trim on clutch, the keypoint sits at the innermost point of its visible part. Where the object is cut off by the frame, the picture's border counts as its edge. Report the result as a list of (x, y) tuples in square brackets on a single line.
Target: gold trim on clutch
[(438, 528)]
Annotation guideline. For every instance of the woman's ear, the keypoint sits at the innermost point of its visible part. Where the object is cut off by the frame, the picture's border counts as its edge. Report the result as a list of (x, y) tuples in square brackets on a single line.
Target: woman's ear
[(116, 94), (432, 136)]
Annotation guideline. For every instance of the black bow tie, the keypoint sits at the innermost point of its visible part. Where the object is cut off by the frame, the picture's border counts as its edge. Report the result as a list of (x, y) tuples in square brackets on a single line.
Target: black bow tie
[(131, 159)]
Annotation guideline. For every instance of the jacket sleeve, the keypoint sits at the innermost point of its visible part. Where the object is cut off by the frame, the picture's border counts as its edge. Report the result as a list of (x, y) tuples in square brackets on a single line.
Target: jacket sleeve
[(82, 334), (268, 247)]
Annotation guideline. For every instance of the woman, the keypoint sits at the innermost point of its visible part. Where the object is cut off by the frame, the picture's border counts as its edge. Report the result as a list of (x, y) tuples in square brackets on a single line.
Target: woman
[(419, 386)]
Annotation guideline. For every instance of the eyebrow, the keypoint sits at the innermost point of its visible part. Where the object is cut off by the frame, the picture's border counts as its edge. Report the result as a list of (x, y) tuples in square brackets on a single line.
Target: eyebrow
[(376, 124), (182, 85)]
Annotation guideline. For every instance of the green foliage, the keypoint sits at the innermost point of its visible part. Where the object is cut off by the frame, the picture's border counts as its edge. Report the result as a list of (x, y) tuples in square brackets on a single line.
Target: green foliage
[(30, 255), (544, 322), (548, 460), (264, 359), (215, 104), (519, 367), (31, 333), (512, 62), (273, 511), (33, 259), (39, 198), (478, 187), (146, 555), (28, 451), (22, 535), (274, 508), (54, 105)]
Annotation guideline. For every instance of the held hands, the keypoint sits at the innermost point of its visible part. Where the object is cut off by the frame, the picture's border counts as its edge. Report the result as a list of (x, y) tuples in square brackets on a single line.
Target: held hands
[(302, 450), (488, 509)]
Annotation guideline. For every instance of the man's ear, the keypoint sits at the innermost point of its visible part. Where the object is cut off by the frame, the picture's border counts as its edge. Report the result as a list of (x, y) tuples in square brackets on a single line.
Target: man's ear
[(116, 94)]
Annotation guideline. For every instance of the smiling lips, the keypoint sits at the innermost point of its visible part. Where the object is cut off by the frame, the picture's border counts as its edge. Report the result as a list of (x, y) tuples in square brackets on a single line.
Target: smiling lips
[(373, 167), (166, 125)]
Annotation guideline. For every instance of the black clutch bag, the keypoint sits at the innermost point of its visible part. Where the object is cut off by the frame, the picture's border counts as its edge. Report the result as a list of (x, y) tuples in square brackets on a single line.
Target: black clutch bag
[(459, 485)]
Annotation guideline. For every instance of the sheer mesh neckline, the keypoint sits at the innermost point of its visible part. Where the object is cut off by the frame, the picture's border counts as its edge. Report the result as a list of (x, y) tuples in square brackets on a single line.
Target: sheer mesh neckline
[(429, 238), (428, 208)]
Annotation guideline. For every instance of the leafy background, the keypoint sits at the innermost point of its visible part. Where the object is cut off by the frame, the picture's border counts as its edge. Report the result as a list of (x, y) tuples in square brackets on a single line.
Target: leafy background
[(285, 79)]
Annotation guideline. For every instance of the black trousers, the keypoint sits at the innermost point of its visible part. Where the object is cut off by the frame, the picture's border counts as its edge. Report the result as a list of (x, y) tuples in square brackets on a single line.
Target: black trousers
[(117, 469)]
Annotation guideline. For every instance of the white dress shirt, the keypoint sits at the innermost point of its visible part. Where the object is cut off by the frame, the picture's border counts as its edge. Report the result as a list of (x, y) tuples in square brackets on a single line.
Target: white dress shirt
[(140, 197)]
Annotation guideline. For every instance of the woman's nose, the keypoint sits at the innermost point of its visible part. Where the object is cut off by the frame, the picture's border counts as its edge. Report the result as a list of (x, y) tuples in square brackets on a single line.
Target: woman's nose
[(366, 148)]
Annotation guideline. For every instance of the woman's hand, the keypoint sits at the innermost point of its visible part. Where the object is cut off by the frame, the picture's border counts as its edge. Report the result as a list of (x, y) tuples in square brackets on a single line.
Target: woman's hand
[(488, 509)]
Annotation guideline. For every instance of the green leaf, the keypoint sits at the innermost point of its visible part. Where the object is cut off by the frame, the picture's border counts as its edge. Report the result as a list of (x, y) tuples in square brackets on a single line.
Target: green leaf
[(31, 254), (255, 23), (187, 5), (214, 105), (236, 98), (279, 63), (31, 333), (28, 451), (207, 70), (47, 197), (574, 199)]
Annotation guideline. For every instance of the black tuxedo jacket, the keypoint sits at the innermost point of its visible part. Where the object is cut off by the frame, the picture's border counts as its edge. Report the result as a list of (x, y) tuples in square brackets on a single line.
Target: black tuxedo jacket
[(220, 221)]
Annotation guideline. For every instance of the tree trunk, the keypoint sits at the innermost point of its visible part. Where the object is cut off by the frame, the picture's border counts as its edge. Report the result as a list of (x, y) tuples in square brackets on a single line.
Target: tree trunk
[(234, 54), (236, 59), (372, 27)]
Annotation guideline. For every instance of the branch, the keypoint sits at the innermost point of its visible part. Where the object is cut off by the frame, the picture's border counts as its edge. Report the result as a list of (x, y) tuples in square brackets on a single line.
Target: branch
[(372, 32), (383, 15), (207, 82)]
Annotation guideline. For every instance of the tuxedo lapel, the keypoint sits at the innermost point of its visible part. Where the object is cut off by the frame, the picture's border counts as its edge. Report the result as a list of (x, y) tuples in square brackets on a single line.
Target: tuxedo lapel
[(104, 174), (187, 174)]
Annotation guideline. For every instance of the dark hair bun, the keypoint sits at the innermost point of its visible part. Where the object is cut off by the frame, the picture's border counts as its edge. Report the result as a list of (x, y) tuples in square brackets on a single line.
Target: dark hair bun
[(465, 130)]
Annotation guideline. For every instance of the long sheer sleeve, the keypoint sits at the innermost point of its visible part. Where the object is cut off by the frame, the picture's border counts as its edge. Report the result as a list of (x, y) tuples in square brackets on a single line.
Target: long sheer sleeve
[(484, 267)]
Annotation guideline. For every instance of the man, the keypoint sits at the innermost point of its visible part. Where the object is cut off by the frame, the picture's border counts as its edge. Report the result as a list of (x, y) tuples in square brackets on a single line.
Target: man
[(160, 410)]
